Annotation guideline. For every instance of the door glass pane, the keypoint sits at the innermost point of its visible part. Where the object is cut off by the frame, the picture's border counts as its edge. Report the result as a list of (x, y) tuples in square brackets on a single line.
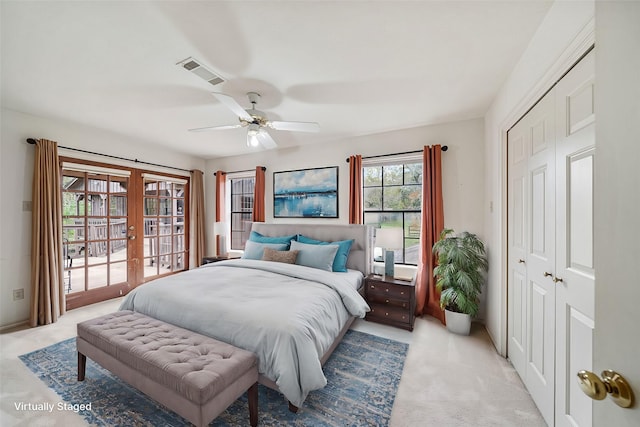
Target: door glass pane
[(150, 246), (151, 267), (96, 204), (118, 250), (74, 280), (97, 276), (117, 228), (97, 185), (118, 205), (73, 229), (117, 273), (165, 206)]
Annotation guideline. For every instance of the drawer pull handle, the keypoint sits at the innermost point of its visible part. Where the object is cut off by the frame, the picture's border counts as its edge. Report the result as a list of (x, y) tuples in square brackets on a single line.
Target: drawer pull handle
[(387, 301), (386, 314), (402, 293), (386, 289), (373, 286)]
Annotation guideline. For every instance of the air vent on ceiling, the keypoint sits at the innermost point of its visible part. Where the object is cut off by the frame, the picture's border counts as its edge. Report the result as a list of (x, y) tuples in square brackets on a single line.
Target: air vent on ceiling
[(199, 70)]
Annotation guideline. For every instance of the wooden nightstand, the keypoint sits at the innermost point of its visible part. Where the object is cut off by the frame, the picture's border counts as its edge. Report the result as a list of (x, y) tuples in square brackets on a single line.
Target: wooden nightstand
[(392, 301)]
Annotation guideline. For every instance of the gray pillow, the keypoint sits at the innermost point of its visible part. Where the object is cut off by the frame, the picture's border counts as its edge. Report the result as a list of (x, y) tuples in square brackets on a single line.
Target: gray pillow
[(287, 257), (254, 250), (315, 256)]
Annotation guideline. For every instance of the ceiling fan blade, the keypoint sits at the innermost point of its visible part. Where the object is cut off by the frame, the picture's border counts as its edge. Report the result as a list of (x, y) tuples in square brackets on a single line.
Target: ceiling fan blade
[(233, 106), (223, 127), (266, 140), (295, 126)]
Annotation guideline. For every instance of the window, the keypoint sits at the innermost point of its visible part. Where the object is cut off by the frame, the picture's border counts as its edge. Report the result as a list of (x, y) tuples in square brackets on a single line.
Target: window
[(392, 194), (164, 225), (241, 210)]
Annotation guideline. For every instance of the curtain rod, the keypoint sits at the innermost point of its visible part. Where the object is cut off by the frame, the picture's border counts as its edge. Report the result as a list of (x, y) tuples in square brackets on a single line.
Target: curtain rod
[(248, 170), (33, 141), (444, 148)]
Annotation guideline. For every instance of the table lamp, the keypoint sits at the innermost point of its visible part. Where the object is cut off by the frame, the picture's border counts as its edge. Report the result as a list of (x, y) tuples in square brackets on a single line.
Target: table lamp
[(389, 239)]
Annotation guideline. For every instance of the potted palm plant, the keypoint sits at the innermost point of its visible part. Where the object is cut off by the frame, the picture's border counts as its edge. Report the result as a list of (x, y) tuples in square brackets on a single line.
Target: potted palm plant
[(459, 276)]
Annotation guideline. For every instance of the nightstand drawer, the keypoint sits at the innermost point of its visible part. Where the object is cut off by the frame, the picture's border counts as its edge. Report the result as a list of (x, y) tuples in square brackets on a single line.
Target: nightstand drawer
[(388, 300), (389, 313), (387, 290)]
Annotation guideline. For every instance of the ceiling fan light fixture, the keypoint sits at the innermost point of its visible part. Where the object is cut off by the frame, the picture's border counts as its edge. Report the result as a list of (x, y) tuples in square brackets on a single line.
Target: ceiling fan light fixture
[(252, 135)]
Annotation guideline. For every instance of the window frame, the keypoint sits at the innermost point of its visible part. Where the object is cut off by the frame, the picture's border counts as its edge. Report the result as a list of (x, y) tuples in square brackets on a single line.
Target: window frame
[(387, 162), (230, 231)]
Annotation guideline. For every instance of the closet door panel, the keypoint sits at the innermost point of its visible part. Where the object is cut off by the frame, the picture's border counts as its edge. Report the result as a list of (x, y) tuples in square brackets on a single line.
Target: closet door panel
[(541, 254), (575, 275), (518, 155)]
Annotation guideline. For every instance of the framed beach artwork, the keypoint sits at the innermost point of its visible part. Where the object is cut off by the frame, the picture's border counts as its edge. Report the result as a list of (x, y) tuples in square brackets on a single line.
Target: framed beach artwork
[(306, 193)]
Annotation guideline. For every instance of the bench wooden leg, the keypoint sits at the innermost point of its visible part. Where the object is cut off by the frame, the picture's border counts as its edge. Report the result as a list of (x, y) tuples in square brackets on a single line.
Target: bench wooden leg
[(82, 365), (293, 408), (253, 404)]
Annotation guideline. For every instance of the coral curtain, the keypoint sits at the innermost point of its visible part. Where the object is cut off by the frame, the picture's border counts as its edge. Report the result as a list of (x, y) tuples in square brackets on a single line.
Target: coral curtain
[(47, 286), (197, 216), (355, 189), (427, 297), (221, 183), (258, 196)]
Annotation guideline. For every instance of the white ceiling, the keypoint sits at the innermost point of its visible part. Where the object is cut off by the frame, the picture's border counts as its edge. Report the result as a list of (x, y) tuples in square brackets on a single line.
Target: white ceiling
[(355, 67)]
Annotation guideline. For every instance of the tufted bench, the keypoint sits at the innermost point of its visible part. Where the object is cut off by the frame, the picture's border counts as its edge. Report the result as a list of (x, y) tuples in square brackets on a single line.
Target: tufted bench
[(195, 376)]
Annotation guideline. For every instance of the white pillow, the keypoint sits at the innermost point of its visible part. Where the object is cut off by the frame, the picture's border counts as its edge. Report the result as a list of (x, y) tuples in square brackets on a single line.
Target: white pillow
[(315, 256)]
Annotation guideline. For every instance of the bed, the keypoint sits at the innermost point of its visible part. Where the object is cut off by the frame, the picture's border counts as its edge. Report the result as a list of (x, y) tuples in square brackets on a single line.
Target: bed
[(291, 316)]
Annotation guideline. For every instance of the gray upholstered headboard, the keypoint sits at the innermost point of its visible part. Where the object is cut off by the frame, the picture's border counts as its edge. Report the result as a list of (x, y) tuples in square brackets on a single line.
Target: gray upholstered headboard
[(360, 257)]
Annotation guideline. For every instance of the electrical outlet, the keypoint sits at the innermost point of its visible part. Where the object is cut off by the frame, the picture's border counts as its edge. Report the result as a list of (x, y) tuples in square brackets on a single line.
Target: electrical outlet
[(18, 294)]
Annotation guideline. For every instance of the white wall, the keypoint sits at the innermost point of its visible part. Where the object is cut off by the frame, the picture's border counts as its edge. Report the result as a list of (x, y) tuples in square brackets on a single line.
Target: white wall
[(462, 166), (563, 36), (15, 187), (617, 202)]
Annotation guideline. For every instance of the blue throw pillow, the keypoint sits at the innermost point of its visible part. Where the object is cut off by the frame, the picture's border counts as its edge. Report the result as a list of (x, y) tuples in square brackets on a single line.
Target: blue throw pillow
[(315, 256), (257, 237), (255, 250), (344, 247)]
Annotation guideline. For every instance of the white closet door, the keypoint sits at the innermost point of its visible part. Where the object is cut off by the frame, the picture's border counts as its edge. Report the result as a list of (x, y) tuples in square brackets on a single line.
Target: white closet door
[(541, 254), (575, 149), (518, 153)]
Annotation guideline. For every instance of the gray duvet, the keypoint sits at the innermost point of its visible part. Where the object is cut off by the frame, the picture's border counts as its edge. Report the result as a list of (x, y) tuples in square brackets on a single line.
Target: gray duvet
[(289, 315)]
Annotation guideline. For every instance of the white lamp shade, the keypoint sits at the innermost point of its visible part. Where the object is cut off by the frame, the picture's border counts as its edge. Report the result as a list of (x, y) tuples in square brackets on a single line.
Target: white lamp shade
[(220, 228), (389, 238)]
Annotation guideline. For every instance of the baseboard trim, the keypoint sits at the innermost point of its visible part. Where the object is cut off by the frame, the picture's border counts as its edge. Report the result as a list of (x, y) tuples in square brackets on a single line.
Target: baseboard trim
[(14, 325)]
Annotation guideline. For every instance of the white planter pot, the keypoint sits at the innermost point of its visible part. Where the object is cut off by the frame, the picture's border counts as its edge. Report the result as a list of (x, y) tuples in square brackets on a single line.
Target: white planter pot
[(458, 323)]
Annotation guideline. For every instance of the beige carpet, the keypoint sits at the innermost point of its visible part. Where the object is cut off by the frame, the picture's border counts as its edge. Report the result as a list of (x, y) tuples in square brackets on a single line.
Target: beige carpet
[(448, 380)]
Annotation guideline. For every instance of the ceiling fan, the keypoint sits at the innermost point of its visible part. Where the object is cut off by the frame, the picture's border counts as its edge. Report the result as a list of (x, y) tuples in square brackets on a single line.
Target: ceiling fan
[(256, 122)]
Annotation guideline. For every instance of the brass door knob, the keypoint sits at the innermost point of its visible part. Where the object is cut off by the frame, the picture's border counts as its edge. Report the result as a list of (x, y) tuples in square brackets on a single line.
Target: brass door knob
[(557, 280), (520, 261), (611, 382), (547, 274)]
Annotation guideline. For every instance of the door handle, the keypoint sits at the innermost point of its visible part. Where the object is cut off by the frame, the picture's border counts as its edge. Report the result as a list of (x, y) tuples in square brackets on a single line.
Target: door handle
[(612, 383), (520, 261), (547, 274), (131, 237), (557, 279)]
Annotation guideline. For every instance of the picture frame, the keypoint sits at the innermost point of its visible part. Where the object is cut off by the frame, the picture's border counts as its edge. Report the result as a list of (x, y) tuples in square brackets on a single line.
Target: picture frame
[(306, 193)]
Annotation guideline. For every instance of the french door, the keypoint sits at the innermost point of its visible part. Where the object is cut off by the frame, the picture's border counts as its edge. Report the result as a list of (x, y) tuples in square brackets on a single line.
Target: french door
[(121, 227)]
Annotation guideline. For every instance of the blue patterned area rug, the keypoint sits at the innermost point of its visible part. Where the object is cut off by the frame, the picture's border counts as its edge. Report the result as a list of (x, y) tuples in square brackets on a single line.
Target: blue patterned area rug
[(363, 375)]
